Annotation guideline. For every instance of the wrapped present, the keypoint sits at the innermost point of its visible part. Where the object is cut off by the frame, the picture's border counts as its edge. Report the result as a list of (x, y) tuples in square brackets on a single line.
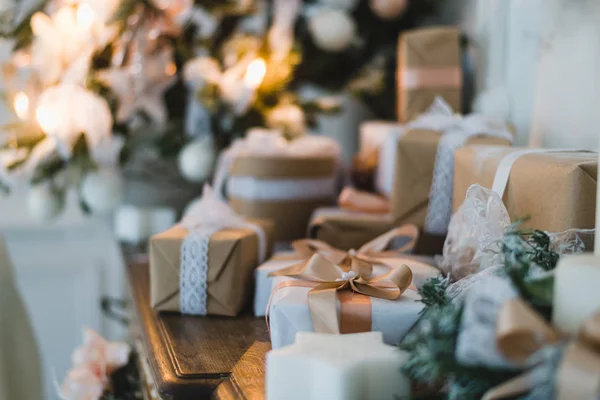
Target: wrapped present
[(346, 229), (365, 163), (422, 187), (321, 296), (268, 177), (556, 189), (429, 65), (391, 249), (204, 265)]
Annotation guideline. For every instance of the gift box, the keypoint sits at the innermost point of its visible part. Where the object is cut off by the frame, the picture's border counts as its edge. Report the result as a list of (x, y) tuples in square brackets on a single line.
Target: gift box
[(429, 65), (345, 229), (416, 153), (422, 269), (555, 189), (228, 262), (335, 308), (284, 182)]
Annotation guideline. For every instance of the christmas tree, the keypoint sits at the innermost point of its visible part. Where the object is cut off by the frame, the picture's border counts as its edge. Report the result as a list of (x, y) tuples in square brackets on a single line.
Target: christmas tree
[(92, 81)]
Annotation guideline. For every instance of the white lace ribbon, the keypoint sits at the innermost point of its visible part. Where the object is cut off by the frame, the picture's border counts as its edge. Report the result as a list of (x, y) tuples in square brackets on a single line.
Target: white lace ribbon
[(456, 132), (203, 219)]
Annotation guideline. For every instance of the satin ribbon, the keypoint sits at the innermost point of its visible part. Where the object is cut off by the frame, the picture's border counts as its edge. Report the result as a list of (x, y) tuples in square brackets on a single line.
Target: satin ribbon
[(370, 252), (423, 78), (329, 279), (270, 143), (521, 332), (356, 200), (506, 163)]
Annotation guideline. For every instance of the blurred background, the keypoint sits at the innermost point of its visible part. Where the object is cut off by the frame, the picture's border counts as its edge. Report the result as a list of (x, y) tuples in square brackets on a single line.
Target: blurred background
[(534, 63)]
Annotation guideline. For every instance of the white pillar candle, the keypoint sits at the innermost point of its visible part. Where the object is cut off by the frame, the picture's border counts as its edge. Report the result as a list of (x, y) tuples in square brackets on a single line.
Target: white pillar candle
[(337, 367), (576, 294), (136, 224), (597, 227)]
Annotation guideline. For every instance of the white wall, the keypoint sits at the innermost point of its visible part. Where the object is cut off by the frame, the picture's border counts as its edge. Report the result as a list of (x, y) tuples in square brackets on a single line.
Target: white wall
[(544, 56)]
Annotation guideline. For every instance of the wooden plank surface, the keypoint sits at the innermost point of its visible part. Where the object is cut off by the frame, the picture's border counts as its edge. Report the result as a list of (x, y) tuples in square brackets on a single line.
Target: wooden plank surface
[(199, 357)]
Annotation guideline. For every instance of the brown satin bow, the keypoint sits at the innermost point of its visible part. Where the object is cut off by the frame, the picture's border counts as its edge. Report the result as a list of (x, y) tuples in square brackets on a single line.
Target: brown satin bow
[(376, 248), (521, 332), (327, 279)]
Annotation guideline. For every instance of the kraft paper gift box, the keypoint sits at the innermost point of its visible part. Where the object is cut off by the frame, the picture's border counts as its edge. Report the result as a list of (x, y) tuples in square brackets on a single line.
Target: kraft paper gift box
[(345, 229), (284, 182), (421, 267), (233, 254), (289, 314), (429, 65), (414, 171), (556, 190)]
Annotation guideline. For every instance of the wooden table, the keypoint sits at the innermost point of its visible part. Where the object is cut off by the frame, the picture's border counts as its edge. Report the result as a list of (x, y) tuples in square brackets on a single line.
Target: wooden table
[(199, 357), (192, 358)]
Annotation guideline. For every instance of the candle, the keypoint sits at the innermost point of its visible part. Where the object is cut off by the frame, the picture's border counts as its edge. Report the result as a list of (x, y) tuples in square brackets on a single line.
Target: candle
[(337, 367), (596, 238), (576, 294), (136, 224)]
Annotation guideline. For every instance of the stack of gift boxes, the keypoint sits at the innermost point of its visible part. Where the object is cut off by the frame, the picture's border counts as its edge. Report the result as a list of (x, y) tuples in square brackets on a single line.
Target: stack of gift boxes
[(350, 268)]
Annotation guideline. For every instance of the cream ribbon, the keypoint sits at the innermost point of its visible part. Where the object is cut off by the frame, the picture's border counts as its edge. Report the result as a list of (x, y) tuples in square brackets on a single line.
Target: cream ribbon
[(505, 166), (269, 143), (521, 332)]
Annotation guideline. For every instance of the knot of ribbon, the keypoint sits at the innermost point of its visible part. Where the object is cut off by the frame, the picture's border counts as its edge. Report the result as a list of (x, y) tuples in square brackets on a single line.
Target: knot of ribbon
[(373, 251), (521, 332), (328, 279), (210, 212)]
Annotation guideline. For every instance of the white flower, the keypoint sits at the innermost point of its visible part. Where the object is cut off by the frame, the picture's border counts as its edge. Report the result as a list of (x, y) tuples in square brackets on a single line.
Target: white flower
[(68, 37), (64, 111)]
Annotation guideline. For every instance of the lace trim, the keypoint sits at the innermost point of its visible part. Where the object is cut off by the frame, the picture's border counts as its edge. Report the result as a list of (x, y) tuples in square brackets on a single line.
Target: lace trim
[(440, 197), (193, 275)]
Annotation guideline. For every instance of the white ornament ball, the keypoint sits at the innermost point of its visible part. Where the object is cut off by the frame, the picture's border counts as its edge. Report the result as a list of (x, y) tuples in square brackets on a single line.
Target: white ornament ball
[(346, 5), (44, 203), (196, 160), (332, 30), (103, 190), (388, 9)]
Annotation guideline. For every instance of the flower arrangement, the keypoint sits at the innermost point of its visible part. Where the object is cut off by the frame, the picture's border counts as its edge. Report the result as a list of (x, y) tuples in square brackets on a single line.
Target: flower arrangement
[(94, 362)]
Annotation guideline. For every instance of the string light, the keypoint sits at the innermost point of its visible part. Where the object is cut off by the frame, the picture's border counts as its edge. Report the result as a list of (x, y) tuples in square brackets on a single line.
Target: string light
[(171, 69), (85, 15), (46, 118), (21, 105), (255, 73)]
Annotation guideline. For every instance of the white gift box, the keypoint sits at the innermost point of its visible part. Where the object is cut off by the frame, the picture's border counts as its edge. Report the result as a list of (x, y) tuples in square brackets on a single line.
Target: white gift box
[(421, 267), (289, 314)]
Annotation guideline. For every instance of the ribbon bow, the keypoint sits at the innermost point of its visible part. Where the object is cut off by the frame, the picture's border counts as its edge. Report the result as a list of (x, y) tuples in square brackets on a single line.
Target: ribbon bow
[(521, 332), (212, 212), (328, 280), (372, 251)]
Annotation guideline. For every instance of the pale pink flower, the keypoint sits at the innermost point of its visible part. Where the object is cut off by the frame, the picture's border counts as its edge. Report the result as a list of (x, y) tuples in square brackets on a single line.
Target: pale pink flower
[(81, 384)]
